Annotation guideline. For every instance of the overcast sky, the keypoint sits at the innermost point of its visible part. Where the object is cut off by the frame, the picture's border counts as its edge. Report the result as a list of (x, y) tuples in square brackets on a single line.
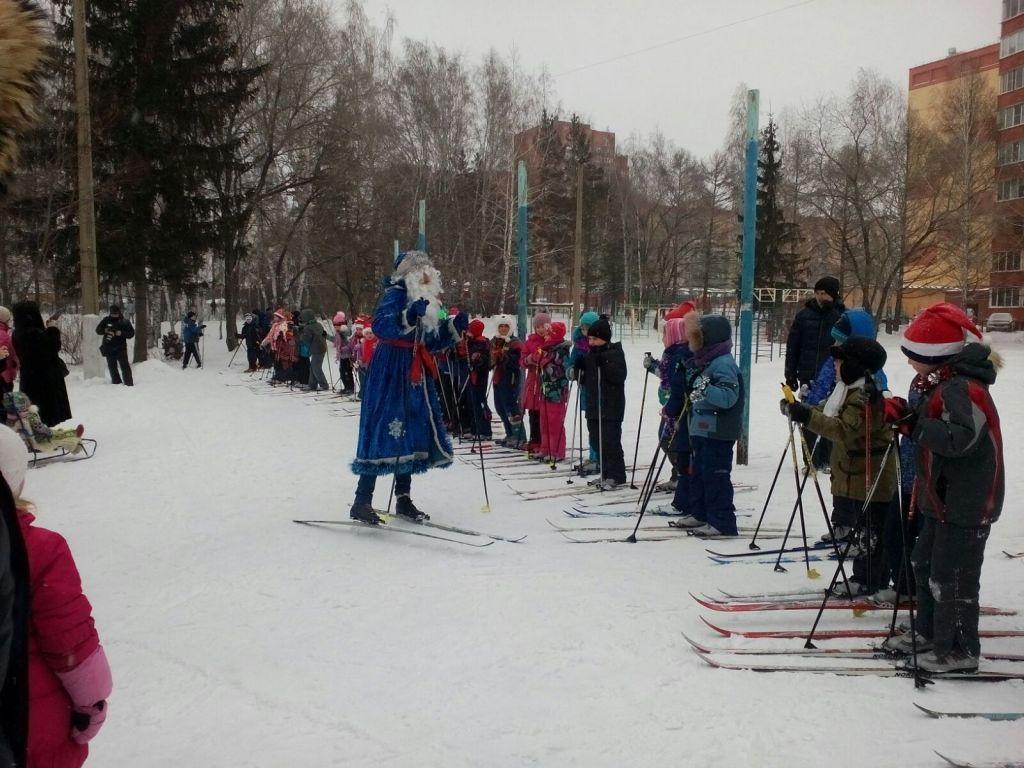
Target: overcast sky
[(793, 53)]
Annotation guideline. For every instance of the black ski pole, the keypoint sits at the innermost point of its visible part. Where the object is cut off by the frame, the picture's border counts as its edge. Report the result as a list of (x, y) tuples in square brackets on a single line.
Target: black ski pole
[(600, 431), (480, 447), (650, 492), (575, 416), (771, 490), (639, 429)]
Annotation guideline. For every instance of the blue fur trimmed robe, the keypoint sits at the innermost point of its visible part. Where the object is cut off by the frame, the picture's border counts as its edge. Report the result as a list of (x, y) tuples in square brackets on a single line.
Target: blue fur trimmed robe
[(401, 425)]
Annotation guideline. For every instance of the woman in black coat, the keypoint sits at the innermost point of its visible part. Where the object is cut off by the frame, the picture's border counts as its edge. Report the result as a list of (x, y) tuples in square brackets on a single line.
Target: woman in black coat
[(42, 370)]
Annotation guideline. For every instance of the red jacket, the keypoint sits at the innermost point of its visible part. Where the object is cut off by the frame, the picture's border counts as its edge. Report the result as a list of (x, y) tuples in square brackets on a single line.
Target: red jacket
[(530, 360), (62, 635), (10, 370)]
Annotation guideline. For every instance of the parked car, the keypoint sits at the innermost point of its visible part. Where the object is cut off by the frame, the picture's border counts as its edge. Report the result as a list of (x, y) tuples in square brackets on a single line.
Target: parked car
[(999, 321)]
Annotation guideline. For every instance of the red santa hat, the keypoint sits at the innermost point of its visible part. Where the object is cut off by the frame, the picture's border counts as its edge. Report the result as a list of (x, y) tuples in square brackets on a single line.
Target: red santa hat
[(681, 311), (939, 333)]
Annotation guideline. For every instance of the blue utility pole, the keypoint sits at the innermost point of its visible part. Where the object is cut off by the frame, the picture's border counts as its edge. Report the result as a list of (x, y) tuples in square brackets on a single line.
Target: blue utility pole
[(521, 248), (398, 249), (747, 281), (421, 241)]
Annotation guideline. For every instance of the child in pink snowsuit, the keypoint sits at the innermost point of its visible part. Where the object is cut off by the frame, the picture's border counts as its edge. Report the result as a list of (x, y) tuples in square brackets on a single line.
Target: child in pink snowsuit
[(530, 362), (554, 391), (68, 675)]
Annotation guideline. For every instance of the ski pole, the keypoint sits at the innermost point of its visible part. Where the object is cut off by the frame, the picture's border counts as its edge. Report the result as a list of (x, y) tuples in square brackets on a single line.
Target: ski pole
[(650, 492), (771, 490), (480, 447), (575, 416), (639, 429), (237, 347), (812, 573), (600, 429)]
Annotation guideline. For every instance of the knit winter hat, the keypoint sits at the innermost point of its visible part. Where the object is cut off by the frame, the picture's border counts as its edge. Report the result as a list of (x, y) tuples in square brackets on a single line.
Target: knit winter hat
[(829, 285), (5, 315), (13, 459), (673, 331), (600, 330), (558, 331), (854, 323), (339, 318), (115, 310), (860, 357), (476, 328), (715, 329), (248, 317), (589, 317), (939, 333), (540, 319), (681, 311)]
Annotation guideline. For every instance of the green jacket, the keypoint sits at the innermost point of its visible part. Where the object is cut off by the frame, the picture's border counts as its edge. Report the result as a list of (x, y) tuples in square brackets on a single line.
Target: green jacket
[(848, 435)]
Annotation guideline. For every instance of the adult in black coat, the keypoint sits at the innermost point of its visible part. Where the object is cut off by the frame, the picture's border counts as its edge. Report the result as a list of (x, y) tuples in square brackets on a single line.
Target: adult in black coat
[(14, 610), (603, 378), (116, 329), (810, 336), (42, 370)]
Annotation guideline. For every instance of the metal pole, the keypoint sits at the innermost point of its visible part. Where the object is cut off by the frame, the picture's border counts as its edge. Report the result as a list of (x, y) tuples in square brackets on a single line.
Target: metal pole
[(398, 249), (421, 241), (747, 283), (521, 247), (577, 266)]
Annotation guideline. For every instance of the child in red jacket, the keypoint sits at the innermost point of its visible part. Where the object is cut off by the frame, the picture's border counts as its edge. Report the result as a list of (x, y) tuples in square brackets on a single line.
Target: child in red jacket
[(68, 675)]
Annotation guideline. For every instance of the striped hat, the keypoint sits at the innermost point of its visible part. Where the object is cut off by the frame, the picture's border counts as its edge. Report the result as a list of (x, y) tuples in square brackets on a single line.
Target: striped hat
[(939, 333)]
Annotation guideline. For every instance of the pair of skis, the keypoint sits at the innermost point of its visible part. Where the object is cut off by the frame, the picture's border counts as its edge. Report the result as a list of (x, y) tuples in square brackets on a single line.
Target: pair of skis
[(800, 603), (389, 528), (833, 634)]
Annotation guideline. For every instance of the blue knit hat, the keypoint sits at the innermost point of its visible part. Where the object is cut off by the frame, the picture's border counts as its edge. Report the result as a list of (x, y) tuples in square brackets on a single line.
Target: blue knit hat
[(854, 324), (589, 317)]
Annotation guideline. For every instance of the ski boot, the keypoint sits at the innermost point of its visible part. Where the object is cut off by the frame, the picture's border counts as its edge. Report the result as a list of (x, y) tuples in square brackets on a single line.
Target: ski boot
[(364, 513), (952, 662), (405, 508)]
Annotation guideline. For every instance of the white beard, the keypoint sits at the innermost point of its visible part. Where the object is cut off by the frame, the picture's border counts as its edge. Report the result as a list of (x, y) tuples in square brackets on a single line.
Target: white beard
[(416, 289)]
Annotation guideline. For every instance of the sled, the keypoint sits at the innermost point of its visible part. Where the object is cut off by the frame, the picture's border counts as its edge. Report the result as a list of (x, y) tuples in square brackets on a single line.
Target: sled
[(86, 449)]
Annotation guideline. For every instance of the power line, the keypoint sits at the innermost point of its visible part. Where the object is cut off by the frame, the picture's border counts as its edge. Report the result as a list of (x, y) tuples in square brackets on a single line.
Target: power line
[(691, 36)]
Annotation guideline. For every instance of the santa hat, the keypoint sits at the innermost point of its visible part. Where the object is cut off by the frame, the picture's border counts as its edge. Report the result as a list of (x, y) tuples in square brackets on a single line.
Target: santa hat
[(339, 318), (13, 459), (939, 333), (681, 311), (476, 328)]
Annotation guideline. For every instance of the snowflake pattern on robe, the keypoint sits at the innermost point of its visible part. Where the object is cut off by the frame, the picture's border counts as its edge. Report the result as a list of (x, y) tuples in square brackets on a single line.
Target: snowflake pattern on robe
[(401, 426)]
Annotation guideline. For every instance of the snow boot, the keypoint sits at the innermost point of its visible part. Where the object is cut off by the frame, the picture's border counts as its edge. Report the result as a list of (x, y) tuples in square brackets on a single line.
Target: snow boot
[(364, 513), (903, 643), (706, 529), (610, 485), (666, 486), (687, 521), (951, 662), (586, 468), (405, 508)]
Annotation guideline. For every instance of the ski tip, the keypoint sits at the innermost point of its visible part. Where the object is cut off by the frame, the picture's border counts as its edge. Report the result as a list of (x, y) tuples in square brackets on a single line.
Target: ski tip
[(694, 644), (929, 712), (948, 759), (707, 659), (719, 630)]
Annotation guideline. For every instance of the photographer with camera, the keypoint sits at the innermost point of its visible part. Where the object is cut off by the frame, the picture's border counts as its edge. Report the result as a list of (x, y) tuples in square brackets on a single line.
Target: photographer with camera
[(191, 332), (116, 330)]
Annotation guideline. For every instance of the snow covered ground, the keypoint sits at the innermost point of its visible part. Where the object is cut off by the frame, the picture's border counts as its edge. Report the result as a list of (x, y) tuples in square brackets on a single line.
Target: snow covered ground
[(240, 639)]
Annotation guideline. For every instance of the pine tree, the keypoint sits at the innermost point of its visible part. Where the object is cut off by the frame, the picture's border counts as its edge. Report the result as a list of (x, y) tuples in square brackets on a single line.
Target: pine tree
[(163, 80), (778, 264)]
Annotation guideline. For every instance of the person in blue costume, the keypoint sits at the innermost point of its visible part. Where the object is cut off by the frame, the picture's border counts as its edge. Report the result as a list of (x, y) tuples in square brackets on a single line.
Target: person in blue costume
[(401, 424)]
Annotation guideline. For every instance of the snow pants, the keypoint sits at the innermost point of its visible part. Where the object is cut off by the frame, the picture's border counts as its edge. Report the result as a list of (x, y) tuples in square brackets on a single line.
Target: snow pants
[(120, 359), (535, 428), (892, 543), (477, 396), (869, 566), (608, 435), (711, 494), (367, 483), (681, 498), (191, 350), (252, 355), (552, 429), (316, 372), (348, 385), (506, 403), (947, 566)]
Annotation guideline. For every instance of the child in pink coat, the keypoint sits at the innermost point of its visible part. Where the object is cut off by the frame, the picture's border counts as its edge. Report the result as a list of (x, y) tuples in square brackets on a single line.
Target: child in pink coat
[(530, 362), (554, 392), (68, 674)]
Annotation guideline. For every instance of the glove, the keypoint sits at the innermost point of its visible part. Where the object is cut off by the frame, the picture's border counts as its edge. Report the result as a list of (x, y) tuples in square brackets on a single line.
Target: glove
[(663, 396), (649, 362), (415, 311), (899, 414), (803, 392), (88, 685), (461, 323), (799, 412), (792, 383), (87, 721), (784, 407)]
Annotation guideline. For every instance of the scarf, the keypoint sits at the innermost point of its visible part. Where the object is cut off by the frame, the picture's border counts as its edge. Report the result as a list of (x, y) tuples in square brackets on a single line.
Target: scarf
[(838, 397), (705, 355)]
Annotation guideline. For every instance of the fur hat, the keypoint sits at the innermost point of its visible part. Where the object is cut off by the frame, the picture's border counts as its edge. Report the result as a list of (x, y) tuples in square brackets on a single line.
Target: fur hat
[(13, 459), (541, 319), (681, 311), (938, 334), (410, 261), (5, 315), (505, 320), (600, 330), (829, 285), (859, 357), (339, 318), (23, 52)]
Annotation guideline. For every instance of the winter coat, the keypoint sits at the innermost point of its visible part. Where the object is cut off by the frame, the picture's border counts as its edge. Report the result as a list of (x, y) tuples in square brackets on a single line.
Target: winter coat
[(479, 360), (716, 398), (61, 637), (190, 331), (251, 334), (366, 349), (15, 598), (10, 363), (850, 431), (554, 370), (675, 413), (908, 451), (42, 370), (313, 337), (281, 341), (960, 470), (115, 332), (606, 399), (342, 350), (401, 424), (530, 361), (810, 337), (580, 348), (505, 355)]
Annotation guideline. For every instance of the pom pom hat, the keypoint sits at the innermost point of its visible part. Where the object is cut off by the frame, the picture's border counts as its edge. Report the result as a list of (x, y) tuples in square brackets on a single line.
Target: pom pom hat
[(339, 318), (681, 311), (938, 334)]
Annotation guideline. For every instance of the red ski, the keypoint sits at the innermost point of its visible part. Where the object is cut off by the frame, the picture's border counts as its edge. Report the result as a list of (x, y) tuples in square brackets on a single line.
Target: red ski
[(833, 604), (835, 634)]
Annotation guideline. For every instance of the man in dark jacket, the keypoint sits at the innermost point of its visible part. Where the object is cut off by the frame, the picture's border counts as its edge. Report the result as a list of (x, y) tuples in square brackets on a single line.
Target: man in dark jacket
[(807, 347), (251, 334), (116, 330), (960, 481), (191, 332), (604, 380)]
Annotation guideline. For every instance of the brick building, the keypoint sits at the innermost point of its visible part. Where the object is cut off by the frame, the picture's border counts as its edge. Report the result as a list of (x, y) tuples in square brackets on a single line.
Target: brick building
[(602, 146)]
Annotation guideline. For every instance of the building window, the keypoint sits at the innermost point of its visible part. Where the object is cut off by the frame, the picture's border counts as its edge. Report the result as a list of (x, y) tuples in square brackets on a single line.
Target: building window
[(1011, 116), (1012, 8), (1005, 296), (1011, 44), (1011, 152), (1006, 261), (1010, 189), (1011, 80)]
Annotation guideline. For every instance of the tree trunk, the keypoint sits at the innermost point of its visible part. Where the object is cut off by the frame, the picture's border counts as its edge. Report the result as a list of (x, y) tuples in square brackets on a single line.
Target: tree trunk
[(141, 315)]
